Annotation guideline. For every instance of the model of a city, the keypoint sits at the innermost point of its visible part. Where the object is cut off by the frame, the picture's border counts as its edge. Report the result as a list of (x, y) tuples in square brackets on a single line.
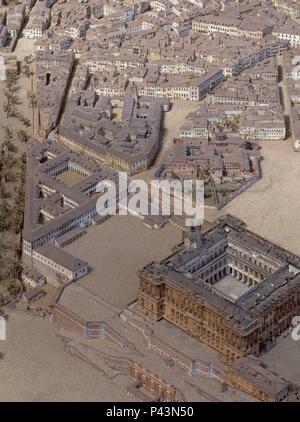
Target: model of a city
[(129, 307)]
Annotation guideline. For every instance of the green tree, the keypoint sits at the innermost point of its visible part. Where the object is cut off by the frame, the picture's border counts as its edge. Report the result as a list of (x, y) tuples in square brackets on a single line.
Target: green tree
[(23, 136)]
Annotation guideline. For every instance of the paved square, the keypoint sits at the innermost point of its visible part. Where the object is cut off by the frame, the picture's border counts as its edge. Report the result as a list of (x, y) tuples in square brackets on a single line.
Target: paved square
[(231, 287)]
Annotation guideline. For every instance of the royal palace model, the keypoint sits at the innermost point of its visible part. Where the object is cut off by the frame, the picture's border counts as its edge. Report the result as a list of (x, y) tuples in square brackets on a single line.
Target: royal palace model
[(227, 287)]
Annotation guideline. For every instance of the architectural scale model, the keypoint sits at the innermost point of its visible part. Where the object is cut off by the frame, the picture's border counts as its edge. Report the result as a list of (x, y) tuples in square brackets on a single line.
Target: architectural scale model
[(142, 306)]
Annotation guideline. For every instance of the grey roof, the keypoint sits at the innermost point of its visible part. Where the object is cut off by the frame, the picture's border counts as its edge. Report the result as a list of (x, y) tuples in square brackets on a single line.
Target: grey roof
[(251, 369), (61, 257), (244, 313)]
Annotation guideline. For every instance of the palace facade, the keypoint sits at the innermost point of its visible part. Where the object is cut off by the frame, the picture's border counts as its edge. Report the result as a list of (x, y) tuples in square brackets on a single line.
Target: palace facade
[(228, 288)]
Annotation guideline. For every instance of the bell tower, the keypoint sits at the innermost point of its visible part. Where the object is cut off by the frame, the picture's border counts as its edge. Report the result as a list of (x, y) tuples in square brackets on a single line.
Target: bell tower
[(193, 238)]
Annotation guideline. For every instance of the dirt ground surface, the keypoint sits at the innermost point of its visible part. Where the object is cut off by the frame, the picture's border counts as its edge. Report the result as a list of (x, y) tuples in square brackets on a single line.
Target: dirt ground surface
[(284, 359), (59, 376), (116, 250), (70, 178), (271, 206), (35, 367)]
